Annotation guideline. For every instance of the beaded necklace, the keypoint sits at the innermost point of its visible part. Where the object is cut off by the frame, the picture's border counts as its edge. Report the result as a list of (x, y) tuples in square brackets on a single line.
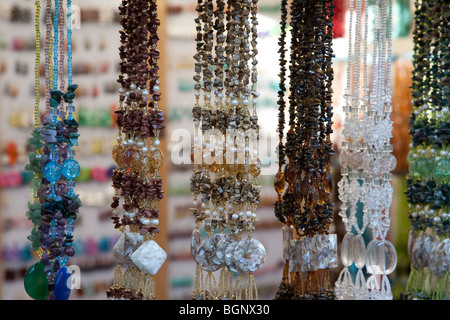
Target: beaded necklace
[(226, 165), (305, 205), (137, 154), (55, 204), (366, 160), (428, 159)]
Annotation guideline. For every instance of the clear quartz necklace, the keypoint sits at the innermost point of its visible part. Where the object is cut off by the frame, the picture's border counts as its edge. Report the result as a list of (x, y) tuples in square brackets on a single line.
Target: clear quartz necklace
[(366, 160)]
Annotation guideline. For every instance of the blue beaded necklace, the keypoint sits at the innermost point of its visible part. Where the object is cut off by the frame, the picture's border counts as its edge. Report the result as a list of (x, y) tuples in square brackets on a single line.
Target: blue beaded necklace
[(56, 204)]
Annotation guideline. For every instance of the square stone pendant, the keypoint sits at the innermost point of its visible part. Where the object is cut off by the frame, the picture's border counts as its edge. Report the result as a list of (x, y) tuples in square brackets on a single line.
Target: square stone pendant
[(149, 257)]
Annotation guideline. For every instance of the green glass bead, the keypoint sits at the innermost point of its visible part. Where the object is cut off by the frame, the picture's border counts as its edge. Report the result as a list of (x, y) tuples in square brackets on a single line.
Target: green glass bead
[(442, 168), (35, 185), (36, 282), (422, 166)]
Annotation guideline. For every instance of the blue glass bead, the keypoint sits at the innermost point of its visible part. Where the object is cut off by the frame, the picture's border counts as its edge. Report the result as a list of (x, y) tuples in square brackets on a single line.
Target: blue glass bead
[(69, 229), (52, 171), (71, 169), (63, 284)]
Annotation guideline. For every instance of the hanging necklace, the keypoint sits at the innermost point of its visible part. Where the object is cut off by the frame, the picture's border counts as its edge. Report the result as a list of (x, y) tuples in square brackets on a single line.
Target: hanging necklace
[(305, 207), (55, 206), (226, 164), (366, 160), (137, 154), (428, 158)]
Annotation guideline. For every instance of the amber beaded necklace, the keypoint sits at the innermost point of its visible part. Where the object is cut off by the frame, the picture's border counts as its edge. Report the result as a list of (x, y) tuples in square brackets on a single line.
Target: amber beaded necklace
[(226, 166)]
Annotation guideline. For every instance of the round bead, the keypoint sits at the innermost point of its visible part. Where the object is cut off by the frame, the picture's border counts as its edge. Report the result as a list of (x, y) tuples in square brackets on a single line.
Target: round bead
[(71, 169), (247, 256), (206, 255), (69, 251), (52, 171)]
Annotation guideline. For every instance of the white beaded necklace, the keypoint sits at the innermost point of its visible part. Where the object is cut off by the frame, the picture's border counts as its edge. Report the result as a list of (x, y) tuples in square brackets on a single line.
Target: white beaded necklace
[(366, 159)]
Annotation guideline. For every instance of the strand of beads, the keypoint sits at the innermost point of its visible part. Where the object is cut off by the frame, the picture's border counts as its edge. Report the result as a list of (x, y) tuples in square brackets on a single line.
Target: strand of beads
[(57, 205), (36, 272), (279, 182), (381, 256), (138, 155), (225, 164), (366, 162), (351, 159), (428, 159), (306, 206)]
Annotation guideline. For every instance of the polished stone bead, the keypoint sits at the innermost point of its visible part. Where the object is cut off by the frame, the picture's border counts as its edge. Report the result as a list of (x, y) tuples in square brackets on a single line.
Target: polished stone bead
[(249, 255), (125, 246), (36, 282), (149, 257)]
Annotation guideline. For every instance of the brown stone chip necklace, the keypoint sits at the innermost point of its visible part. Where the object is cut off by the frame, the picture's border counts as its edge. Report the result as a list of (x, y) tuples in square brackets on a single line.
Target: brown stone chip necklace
[(225, 156), (136, 178), (303, 180)]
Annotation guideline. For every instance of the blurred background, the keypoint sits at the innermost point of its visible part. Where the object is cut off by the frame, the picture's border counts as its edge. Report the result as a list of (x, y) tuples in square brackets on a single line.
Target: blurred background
[(95, 70)]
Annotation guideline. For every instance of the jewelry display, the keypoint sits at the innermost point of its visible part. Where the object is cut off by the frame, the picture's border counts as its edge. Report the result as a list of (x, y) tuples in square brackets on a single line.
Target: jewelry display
[(55, 206), (303, 185), (137, 154), (429, 169), (224, 183), (366, 158)]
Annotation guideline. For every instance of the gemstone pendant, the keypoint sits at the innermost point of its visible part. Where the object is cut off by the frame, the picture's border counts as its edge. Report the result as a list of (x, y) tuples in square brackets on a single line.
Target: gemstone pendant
[(62, 285), (36, 282)]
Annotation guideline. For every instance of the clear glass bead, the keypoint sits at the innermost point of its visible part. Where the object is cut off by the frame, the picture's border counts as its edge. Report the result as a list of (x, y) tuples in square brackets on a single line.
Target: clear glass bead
[(381, 257), (347, 250), (359, 251)]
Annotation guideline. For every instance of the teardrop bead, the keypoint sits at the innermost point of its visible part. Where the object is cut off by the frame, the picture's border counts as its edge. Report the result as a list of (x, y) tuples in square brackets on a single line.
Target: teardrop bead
[(35, 185), (279, 182), (36, 282), (255, 168), (117, 154), (62, 288)]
